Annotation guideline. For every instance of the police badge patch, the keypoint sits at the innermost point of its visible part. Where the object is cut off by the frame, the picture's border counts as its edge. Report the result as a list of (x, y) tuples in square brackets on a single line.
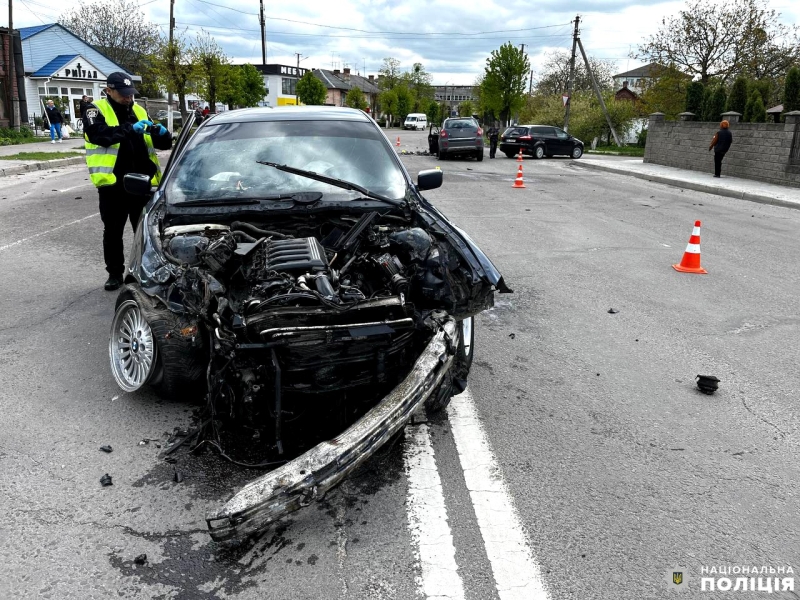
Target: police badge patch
[(92, 113)]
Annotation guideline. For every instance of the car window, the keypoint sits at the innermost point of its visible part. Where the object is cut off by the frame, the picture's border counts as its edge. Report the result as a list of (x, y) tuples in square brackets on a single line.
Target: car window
[(540, 130), (460, 124), (516, 131), (562, 135), (221, 161), (411, 118)]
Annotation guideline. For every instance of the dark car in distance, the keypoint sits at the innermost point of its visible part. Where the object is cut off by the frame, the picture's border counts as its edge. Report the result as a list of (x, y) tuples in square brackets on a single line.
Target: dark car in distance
[(539, 141), (456, 136)]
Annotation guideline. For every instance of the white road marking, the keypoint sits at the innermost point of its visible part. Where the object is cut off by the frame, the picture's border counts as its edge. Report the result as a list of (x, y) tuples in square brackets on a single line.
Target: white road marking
[(516, 573), (12, 244), (427, 518)]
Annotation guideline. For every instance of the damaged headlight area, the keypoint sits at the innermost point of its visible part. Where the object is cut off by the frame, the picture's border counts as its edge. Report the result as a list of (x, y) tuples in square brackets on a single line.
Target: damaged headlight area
[(295, 330)]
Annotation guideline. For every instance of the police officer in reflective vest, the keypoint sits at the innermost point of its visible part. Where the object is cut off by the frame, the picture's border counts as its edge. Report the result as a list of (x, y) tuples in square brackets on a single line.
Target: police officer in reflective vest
[(120, 139)]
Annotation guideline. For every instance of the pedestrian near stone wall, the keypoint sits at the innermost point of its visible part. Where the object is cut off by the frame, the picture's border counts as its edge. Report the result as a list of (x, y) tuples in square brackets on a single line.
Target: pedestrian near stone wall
[(721, 143)]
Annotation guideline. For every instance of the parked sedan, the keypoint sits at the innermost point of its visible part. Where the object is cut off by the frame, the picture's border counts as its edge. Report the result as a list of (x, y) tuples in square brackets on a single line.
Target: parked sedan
[(539, 141), (177, 118), (290, 273), (460, 136)]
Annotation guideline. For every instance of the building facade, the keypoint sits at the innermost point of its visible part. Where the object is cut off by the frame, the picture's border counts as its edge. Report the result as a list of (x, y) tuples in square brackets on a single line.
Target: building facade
[(637, 79), (281, 83), (339, 83), (60, 65), (453, 95)]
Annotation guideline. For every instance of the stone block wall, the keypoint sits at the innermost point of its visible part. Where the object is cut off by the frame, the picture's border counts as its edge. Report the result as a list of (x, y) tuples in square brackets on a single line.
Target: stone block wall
[(767, 152)]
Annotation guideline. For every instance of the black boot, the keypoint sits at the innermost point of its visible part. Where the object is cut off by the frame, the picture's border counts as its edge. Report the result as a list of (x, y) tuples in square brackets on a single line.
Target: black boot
[(113, 282)]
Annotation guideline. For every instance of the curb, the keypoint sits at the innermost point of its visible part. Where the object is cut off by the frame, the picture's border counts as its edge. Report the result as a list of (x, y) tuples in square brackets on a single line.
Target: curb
[(42, 165), (698, 187)]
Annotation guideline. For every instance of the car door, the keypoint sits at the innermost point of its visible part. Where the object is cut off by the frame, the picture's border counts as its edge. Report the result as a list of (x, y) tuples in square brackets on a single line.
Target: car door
[(433, 139), (564, 142), (548, 136)]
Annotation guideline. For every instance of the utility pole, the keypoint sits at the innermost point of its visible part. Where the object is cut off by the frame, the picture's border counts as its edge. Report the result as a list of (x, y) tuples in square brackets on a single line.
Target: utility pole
[(571, 73), (599, 95), (172, 65), (530, 88), (296, 97), (263, 35), (12, 70)]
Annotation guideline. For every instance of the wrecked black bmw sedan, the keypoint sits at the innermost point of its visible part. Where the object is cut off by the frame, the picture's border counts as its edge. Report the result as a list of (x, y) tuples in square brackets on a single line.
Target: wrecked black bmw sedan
[(286, 271)]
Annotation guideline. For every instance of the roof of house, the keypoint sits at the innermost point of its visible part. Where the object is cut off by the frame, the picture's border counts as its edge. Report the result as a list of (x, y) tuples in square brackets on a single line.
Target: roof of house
[(643, 71), (626, 92), (333, 81), (54, 65), (26, 32)]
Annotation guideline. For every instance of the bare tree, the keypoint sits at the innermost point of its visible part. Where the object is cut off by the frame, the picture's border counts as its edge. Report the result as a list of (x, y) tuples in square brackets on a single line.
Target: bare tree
[(117, 29), (173, 68), (555, 74), (714, 40)]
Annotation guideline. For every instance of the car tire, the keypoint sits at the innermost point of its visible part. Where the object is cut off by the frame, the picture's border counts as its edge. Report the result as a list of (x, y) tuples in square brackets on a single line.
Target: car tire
[(441, 154), (180, 362), (538, 152), (577, 152), (509, 154), (455, 380), (479, 155)]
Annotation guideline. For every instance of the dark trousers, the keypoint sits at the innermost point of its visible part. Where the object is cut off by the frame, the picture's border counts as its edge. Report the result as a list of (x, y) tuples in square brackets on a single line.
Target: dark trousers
[(117, 207), (492, 147), (718, 156)]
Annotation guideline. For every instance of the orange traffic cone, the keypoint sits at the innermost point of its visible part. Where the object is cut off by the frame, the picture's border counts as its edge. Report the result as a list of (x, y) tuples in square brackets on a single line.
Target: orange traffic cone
[(691, 258), (398, 141), (519, 182), (519, 156)]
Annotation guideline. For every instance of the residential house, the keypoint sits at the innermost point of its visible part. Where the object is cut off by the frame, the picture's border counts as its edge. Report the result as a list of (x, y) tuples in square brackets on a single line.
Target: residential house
[(339, 83), (59, 63), (636, 80)]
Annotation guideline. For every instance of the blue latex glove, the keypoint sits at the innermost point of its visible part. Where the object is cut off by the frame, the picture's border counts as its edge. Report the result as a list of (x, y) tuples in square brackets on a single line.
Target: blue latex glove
[(139, 127), (159, 129)]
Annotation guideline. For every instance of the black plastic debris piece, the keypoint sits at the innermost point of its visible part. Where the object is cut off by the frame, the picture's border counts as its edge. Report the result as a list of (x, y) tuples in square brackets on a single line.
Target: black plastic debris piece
[(178, 477), (512, 335), (612, 311), (707, 383), (141, 559), (78, 197), (171, 459), (105, 480), (106, 448)]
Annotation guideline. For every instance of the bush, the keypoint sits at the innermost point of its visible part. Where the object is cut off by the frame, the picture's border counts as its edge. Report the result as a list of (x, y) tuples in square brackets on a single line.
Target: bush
[(10, 136), (695, 93), (791, 90), (737, 100), (641, 138)]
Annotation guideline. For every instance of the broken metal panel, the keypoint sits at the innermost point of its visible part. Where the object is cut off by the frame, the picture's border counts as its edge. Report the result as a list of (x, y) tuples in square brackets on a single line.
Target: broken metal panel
[(309, 476)]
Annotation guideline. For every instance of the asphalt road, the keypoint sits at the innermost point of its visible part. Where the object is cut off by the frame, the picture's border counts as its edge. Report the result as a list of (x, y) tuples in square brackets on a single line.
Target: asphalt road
[(618, 469)]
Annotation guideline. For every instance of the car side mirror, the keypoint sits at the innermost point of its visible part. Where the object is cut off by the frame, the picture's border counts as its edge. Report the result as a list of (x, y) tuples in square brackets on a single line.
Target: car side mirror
[(429, 179), (137, 184)]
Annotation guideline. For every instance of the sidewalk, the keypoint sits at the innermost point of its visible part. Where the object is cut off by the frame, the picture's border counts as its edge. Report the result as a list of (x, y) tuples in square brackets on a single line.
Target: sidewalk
[(12, 167), (733, 187)]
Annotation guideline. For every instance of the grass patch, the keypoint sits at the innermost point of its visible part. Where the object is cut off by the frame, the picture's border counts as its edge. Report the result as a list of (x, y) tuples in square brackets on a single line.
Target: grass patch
[(40, 155), (616, 150)]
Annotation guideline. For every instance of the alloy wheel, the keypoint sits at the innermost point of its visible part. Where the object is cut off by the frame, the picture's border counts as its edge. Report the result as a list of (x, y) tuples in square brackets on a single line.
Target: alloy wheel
[(132, 348)]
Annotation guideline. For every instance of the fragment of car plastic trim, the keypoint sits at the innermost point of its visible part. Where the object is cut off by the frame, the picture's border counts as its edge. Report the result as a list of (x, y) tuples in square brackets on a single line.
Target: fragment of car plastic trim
[(310, 475)]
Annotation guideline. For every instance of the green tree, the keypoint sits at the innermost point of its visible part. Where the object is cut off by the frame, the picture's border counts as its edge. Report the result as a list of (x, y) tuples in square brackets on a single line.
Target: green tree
[(555, 71), (791, 90), (405, 101), (764, 88), (230, 93), (389, 74), (310, 90), (418, 82), (251, 85), (695, 92), (388, 102), (710, 39), (432, 112), (356, 99), (504, 88), (465, 109), (210, 61), (737, 100), (717, 105), (666, 92), (754, 111), (708, 93), (173, 68)]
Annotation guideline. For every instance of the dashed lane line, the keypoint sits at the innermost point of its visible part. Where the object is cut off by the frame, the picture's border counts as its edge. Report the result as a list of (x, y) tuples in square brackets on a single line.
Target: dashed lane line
[(516, 573), (427, 518), (12, 244)]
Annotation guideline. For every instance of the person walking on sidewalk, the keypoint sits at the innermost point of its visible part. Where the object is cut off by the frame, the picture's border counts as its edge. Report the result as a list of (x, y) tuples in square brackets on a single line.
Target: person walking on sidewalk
[(493, 133), (721, 144), (120, 139), (55, 119)]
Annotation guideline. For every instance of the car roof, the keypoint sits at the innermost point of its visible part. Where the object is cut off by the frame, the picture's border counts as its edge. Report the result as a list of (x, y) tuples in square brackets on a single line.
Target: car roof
[(290, 113)]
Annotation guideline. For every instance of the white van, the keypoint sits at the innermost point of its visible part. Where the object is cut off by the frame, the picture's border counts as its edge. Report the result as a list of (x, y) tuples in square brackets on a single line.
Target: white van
[(416, 121)]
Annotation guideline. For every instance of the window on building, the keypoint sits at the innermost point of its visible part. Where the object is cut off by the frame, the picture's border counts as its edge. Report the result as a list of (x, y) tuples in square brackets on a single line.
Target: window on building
[(41, 91), (52, 91), (288, 86), (76, 91), (64, 91)]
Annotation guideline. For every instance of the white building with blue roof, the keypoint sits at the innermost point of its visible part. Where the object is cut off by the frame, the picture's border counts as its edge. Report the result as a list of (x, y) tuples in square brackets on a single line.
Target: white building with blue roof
[(59, 63)]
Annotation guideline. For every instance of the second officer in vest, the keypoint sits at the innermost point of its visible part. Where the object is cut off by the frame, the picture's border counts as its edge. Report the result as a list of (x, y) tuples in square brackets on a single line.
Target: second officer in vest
[(121, 139)]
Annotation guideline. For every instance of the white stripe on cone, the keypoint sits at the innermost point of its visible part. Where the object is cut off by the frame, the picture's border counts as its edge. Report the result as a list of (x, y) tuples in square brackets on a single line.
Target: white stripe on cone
[(693, 248)]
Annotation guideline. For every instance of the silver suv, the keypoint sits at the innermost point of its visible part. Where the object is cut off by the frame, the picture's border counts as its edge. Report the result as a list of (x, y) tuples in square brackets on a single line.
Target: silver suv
[(460, 135)]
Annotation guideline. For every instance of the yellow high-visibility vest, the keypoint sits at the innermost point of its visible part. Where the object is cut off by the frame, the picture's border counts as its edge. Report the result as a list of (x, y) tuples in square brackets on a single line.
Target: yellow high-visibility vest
[(101, 159)]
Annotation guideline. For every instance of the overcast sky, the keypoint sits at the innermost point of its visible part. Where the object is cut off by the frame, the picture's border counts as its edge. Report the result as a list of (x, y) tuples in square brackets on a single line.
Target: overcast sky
[(451, 38)]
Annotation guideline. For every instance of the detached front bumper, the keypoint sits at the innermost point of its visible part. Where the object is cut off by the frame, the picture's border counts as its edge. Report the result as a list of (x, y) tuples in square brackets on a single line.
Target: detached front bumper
[(310, 475)]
